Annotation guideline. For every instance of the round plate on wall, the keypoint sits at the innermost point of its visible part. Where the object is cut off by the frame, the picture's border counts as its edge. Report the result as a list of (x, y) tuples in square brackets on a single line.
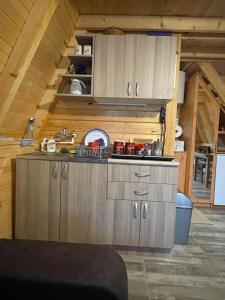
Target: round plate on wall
[(96, 135)]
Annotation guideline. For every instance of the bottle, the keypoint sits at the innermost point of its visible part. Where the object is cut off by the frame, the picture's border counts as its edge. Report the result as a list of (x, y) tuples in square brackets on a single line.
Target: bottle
[(51, 145), (43, 145)]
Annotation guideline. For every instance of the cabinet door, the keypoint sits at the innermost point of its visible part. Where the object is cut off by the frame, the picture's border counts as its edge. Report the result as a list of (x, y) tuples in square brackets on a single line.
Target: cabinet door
[(157, 224), (114, 66), (37, 199), (123, 222), (155, 65), (83, 203)]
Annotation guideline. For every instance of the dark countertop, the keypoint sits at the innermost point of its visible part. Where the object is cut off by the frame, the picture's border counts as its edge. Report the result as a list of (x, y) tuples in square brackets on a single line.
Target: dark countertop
[(66, 157)]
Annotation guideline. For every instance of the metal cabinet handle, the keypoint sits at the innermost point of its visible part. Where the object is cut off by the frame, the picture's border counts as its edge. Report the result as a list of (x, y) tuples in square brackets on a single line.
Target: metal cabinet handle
[(138, 193), (142, 174), (128, 89), (144, 215), (64, 171), (137, 89), (55, 170), (135, 210)]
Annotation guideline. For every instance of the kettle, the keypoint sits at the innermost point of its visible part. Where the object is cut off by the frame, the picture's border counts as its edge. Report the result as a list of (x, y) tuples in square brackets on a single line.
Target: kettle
[(76, 86)]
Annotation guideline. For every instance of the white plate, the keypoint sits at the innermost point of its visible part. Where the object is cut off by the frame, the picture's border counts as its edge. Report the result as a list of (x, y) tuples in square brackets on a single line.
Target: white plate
[(96, 134)]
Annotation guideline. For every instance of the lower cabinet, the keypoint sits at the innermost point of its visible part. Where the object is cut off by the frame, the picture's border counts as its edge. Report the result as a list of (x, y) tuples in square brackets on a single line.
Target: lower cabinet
[(140, 223), (37, 199), (60, 201), (69, 202), (83, 203)]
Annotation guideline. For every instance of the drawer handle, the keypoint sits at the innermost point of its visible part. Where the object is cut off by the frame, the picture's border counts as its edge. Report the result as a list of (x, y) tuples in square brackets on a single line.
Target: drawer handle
[(128, 89), (64, 171), (144, 215), (142, 174), (138, 193), (135, 210), (54, 171)]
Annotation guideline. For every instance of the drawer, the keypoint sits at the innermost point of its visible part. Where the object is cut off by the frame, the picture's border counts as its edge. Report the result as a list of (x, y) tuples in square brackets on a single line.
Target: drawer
[(145, 174), (141, 191)]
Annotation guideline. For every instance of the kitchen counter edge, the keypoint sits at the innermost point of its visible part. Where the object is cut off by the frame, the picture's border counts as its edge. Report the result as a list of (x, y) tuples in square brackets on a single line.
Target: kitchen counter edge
[(71, 158)]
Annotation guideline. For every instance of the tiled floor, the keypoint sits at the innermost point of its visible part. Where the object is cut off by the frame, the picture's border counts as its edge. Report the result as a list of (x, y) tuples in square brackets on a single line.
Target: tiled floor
[(195, 271)]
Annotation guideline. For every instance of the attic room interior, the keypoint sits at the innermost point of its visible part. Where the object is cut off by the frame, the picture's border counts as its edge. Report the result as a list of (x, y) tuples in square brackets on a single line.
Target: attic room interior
[(112, 149)]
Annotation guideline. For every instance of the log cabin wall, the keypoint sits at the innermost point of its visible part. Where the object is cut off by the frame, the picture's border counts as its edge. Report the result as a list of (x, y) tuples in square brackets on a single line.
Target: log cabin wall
[(120, 122), (30, 92), (13, 15)]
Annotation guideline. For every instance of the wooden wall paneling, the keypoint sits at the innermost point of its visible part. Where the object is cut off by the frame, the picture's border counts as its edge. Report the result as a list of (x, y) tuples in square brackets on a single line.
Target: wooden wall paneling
[(143, 23), (12, 13), (213, 8), (8, 151), (7, 36), (214, 78), (48, 101), (20, 9), (171, 109), (24, 52), (188, 114)]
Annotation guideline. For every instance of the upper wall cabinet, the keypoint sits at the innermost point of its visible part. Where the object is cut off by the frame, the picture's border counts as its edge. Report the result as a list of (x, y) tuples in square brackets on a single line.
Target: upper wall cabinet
[(135, 66)]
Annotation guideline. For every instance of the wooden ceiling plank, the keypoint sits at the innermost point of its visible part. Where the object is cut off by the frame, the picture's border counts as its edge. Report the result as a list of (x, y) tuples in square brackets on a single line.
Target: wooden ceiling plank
[(147, 23), (214, 78), (24, 51)]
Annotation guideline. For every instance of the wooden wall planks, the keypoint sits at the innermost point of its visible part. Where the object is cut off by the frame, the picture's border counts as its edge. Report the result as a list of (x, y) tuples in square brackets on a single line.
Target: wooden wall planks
[(8, 152), (41, 69), (13, 15), (119, 121), (31, 90)]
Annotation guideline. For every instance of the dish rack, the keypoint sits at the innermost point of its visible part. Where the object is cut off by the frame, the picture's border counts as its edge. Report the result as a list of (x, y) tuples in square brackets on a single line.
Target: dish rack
[(85, 151)]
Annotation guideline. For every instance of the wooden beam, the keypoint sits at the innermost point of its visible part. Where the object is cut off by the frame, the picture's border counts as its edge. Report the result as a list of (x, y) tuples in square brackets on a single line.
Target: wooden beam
[(147, 23), (188, 117), (214, 78), (171, 110), (197, 56), (24, 51)]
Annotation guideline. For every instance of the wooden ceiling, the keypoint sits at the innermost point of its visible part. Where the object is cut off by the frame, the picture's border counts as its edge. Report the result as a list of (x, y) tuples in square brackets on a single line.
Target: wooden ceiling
[(193, 8)]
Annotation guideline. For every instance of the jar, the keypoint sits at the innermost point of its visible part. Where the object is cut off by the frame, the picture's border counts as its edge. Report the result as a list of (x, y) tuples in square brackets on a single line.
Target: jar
[(130, 148), (119, 147), (51, 145)]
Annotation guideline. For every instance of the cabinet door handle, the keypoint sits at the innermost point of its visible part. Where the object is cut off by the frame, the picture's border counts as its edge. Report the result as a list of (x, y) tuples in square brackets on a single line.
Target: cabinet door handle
[(138, 193), (135, 206), (55, 171), (64, 171), (142, 174), (144, 215), (128, 89), (137, 89)]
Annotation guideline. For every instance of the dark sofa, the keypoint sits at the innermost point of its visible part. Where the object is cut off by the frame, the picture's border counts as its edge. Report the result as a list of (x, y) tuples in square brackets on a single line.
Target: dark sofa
[(51, 270)]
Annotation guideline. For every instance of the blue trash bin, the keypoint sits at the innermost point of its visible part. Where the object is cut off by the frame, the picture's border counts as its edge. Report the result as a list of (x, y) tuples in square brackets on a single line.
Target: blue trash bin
[(184, 208)]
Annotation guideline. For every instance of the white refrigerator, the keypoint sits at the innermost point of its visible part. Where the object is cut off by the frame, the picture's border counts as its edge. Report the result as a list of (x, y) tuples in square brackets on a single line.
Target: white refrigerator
[(219, 197)]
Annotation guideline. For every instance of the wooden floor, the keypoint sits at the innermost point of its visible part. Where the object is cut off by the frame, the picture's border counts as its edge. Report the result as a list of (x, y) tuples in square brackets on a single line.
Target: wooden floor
[(195, 271), (199, 190)]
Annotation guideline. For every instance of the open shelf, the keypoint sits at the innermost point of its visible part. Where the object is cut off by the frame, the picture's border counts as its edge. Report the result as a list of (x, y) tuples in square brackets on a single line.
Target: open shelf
[(81, 68)]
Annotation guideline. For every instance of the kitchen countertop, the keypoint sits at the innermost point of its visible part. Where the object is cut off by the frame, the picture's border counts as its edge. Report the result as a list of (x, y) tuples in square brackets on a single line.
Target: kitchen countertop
[(66, 157)]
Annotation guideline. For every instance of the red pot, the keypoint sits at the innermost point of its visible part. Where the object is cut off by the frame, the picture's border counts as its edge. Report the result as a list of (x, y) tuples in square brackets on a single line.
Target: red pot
[(130, 148), (119, 147)]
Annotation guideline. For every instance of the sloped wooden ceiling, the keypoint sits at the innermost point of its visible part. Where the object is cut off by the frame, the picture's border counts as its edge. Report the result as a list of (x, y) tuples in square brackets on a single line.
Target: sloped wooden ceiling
[(30, 79), (195, 8)]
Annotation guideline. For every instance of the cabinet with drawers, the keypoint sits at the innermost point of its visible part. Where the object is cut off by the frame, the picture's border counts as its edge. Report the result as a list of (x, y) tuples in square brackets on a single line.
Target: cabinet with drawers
[(141, 205), (100, 203)]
